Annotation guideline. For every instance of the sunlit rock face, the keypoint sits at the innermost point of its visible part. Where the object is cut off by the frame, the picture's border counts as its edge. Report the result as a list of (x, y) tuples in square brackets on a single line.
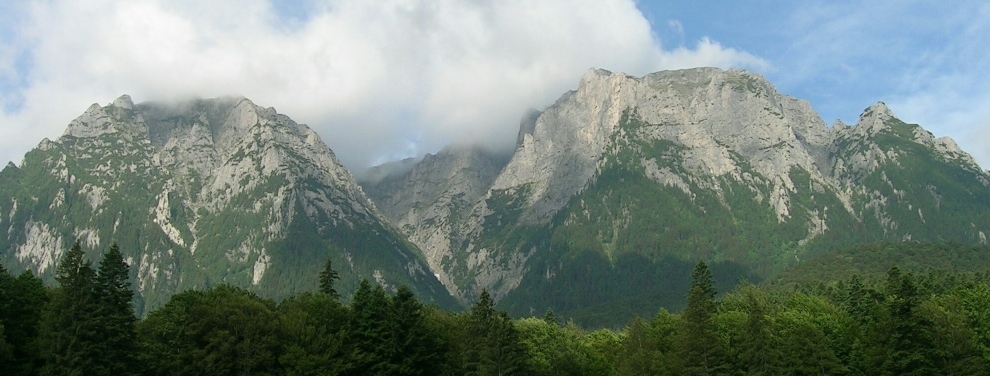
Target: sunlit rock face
[(201, 193), (724, 143)]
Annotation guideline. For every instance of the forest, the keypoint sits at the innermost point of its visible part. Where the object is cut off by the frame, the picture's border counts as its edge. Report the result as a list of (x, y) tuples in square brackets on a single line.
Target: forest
[(896, 323)]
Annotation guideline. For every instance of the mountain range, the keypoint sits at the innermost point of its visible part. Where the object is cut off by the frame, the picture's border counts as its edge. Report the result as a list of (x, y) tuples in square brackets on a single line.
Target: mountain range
[(615, 190), (610, 197)]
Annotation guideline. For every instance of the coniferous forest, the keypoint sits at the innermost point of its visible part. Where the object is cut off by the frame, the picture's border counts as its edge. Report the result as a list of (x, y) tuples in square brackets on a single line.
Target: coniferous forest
[(898, 323)]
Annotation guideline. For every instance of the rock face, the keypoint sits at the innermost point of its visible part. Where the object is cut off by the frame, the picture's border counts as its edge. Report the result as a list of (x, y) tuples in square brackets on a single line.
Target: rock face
[(430, 201), (678, 166), (201, 193)]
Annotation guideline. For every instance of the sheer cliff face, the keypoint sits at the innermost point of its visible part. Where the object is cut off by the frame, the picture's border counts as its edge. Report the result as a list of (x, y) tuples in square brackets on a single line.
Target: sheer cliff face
[(431, 201), (713, 114), (717, 141), (200, 193)]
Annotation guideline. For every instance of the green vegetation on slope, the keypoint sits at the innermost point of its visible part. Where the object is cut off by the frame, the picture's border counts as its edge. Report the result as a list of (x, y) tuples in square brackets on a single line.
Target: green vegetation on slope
[(896, 323), (874, 259)]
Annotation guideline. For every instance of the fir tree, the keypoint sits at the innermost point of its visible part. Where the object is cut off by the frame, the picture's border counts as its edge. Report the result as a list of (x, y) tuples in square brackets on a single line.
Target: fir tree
[(909, 344), (551, 318), (759, 353), (22, 301), (328, 278), (370, 337), (69, 333), (494, 346), (416, 349), (699, 346), (116, 314), (6, 354)]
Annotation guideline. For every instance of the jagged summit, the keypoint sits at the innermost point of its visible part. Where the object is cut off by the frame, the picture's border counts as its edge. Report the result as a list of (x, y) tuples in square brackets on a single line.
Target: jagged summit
[(202, 192), (124, 102), (874, 118), (611, 196), (684, 164)]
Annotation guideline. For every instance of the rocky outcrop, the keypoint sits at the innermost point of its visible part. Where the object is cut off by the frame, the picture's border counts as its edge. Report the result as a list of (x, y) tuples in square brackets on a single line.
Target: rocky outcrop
[(203, 192), (431, 201), (695, 130)]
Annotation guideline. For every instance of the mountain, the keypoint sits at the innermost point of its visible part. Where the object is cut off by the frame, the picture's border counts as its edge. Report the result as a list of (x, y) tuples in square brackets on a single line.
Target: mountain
[(452, 182), (618, 188), (202, 193)]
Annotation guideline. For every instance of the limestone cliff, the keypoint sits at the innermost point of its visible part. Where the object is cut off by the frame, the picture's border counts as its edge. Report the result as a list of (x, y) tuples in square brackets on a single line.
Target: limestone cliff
[(729, 169), (200, 193)]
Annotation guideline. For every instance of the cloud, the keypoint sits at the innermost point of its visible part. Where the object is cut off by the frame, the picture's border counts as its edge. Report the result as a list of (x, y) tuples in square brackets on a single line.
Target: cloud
[(378, 80), (943, 89), (926, 60)]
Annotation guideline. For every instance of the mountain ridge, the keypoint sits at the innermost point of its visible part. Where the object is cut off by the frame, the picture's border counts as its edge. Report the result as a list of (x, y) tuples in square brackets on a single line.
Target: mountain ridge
[(723, 145), (230, 192), (610, 197)]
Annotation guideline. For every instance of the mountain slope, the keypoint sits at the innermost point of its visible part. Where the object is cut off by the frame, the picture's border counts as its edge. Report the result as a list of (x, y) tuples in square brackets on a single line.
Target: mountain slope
[(619, 187), (202, 193), (451, 182)]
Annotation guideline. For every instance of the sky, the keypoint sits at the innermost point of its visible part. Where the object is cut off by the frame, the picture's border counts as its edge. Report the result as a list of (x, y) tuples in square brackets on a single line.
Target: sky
[(389, 79)]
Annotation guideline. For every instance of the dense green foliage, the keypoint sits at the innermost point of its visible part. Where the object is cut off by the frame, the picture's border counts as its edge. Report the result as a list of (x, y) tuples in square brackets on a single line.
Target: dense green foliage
[(893, 323), (22, 301), (88, 327), (873, 260)]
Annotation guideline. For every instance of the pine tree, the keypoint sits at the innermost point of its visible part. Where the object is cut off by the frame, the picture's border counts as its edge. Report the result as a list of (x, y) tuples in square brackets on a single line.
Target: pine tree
[(417, 351), (222, 331), (551, 318), (312, 330), (759, 353), (69, 333), (909, 344), (328, 278), (116, 314), (494, 346), (6, 354), (370, 337), (22, 301), (698, 344)]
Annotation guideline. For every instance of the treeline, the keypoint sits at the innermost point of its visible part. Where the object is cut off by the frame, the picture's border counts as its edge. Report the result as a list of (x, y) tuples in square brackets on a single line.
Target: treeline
[(900, 324)]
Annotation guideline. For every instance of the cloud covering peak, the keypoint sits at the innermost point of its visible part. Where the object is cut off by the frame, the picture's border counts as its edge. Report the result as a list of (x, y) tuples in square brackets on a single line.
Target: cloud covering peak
[(378, 80)]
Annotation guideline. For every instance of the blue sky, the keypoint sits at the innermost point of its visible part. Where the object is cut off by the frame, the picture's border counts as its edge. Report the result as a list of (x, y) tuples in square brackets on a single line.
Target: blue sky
[(396, 78)]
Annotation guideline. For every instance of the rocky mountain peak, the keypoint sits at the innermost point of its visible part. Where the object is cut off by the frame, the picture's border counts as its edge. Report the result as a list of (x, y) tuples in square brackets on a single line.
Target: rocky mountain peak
[(124, 101), (725, 136), (204, 191), (874, 118), (527, 125), (115, 117)]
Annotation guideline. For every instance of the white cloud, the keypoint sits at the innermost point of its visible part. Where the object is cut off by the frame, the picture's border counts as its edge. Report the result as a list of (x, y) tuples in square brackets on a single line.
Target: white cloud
[(925, 59), (375, 79)]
